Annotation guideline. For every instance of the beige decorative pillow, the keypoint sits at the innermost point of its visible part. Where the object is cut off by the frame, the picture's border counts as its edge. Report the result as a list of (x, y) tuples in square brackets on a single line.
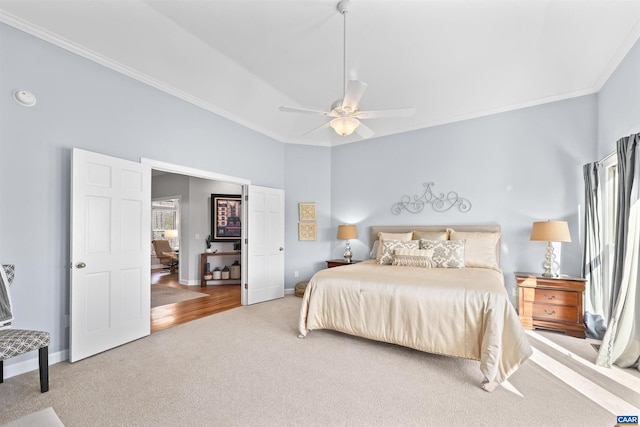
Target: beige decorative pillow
[(430, 235), (445, 253), (388, 248), (391, 236), (412, 258), (479, 248)]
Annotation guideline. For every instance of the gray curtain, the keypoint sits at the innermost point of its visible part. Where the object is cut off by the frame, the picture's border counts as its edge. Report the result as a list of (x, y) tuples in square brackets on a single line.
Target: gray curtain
[(626, 153), (621, 342), (597, 297)]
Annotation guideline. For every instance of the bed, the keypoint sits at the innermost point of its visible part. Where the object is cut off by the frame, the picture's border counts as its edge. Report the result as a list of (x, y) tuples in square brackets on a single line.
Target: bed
[(443, 307)]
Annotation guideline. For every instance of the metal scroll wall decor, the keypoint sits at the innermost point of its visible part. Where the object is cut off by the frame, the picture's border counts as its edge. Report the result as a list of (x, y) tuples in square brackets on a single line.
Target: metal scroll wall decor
[(439, 202)]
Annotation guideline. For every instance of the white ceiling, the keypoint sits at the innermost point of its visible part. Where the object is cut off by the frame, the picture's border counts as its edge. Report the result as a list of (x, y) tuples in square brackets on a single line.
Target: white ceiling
[(242, 59)]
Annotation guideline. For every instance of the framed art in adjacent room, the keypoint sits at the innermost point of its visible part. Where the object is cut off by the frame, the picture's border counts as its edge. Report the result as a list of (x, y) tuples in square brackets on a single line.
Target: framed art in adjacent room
[(226, 214)]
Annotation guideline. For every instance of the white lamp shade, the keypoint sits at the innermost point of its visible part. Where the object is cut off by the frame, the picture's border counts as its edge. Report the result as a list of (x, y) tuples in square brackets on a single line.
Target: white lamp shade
[(347, 232), (170, 234), (550, 231), (344, 125)]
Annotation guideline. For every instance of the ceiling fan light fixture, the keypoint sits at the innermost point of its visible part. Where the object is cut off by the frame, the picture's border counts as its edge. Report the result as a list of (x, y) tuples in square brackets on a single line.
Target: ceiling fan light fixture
[(344, 125)]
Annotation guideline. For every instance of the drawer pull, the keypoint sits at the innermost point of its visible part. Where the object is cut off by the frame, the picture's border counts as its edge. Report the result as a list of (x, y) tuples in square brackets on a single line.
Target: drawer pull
[(551, 313), (552, 297)]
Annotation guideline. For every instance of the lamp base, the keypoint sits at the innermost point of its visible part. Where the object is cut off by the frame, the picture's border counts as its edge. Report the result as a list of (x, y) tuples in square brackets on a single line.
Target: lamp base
[(347, 252), (550, 264)]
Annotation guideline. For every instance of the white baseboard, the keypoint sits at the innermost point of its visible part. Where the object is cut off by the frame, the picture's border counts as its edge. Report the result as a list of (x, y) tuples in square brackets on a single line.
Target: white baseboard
[(13, 369)]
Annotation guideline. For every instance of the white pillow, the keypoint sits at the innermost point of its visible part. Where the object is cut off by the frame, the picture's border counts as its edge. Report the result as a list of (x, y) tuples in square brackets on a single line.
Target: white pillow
[(374, 250), (430, 235), (479, 248)]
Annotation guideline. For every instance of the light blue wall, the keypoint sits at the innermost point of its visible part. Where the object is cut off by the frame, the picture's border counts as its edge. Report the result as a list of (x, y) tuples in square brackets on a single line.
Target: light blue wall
[(619, 104), (307, 180), (85, 105), (515, 168)]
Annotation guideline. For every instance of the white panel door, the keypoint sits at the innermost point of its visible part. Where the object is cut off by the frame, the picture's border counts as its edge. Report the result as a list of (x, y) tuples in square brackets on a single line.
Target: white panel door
[(110, 252), (265, 248)]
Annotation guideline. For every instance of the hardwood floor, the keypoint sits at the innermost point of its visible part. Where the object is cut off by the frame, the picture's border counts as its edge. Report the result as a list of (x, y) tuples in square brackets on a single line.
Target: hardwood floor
[(220, 298)]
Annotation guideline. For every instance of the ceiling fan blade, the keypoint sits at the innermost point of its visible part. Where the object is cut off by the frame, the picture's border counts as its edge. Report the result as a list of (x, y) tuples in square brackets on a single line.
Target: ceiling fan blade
[(307, 111), (364, 131), (355, 90), (393, 112), (322, 126)]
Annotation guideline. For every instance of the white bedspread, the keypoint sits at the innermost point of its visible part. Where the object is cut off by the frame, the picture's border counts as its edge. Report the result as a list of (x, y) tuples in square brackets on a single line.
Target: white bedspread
[(461, 312)]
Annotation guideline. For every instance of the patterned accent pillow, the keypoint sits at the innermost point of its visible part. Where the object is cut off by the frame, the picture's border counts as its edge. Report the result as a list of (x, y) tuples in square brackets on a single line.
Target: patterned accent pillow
[(445, 253), (390, 236), (388, 247), (412, 258)]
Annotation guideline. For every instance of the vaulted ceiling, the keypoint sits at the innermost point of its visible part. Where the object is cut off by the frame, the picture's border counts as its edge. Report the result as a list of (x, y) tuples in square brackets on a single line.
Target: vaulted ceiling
[(449, 59)]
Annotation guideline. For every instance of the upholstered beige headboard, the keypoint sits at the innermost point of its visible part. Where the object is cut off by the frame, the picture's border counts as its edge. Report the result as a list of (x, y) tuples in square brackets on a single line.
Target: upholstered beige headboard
[(375, 229)]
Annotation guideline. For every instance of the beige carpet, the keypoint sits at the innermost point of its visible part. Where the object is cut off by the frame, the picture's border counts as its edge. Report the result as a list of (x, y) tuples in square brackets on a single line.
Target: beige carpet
[(246, 367), (45, 418), (163, 295)]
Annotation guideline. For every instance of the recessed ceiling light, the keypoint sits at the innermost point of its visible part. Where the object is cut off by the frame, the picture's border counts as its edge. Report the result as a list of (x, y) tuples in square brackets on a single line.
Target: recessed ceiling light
[(24, 98)]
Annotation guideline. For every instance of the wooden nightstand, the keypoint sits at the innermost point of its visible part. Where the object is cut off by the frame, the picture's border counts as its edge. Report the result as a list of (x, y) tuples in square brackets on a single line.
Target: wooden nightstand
[(553, 303), (338, 262)]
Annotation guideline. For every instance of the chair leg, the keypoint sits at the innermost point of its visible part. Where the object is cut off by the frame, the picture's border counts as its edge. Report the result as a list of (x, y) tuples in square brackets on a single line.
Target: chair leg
[(43, 357), (1, 371)]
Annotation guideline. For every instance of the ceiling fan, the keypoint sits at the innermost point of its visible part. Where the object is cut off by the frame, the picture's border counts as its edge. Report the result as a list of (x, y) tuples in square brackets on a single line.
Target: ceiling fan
[(345, 112)]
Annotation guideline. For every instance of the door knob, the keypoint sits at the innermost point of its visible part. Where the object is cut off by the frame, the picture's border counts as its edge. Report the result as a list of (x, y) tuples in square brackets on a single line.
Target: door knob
[(281, 249), (81, 265)]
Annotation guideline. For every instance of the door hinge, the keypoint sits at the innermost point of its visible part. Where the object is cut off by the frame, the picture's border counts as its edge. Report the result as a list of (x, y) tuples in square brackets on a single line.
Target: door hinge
[(246, 286), (246, 241), (246, 198)]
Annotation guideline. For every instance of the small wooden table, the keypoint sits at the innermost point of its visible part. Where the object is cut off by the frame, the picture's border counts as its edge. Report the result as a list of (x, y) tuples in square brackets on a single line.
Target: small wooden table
[(338, 262), (553, 303), (203, 263)]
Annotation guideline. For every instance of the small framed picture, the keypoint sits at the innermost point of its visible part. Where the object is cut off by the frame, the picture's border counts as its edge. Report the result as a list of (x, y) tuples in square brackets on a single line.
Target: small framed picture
[(307, 231), (307, 211)]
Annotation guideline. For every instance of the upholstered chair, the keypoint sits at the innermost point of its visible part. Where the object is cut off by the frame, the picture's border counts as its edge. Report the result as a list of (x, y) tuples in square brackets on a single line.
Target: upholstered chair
[(14, 342), (165, 254)]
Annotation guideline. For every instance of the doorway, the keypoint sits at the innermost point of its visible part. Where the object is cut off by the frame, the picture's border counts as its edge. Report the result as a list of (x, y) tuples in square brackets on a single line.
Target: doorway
[(204, 302), (110, 277), (181, 204)]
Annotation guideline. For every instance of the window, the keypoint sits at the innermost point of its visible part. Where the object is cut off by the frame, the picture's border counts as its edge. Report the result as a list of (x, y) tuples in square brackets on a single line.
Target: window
[(609, 213), (164, 216)]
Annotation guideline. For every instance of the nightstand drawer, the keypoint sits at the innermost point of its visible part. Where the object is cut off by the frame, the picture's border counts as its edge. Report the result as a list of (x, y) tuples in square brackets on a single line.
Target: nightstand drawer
[(548, 296), (555, 313)]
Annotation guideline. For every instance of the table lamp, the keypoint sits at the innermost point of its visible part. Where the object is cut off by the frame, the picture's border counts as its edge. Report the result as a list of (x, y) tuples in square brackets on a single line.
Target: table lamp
[(346, 232), (171, 234), (550, 231)]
